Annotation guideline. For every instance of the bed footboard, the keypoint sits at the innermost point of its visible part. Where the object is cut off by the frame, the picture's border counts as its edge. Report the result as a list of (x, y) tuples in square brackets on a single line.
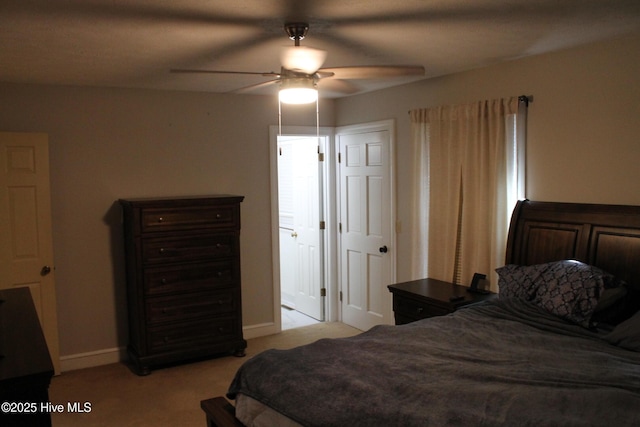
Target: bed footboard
[(220, 413)]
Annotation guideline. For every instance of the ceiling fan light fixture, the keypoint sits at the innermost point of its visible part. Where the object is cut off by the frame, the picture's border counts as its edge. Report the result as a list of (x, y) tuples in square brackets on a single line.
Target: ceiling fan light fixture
[(298, 90)]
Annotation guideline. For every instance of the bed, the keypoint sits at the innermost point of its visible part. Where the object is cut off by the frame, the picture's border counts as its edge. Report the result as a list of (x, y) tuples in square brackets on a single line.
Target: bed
[(559, 346)]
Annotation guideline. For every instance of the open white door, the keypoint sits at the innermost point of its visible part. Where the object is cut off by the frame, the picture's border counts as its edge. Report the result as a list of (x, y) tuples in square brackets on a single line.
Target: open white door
[(301, 250), (26, 248), (366, 226)]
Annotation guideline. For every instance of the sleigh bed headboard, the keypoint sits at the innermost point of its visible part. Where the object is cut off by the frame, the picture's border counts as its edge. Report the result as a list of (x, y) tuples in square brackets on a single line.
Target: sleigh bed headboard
[(606, 236)]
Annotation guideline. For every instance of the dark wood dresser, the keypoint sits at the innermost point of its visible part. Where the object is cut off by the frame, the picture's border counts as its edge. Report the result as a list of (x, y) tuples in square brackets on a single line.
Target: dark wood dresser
[(25, 364), (183, 279), (419, 299)]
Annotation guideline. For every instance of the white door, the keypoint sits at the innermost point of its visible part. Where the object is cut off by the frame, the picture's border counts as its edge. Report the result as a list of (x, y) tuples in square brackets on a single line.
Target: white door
[(26, 249), (285, 224), (299, 158), (366, 228)]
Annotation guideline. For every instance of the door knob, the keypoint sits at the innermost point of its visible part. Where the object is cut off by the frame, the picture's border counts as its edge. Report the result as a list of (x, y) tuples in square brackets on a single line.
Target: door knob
[(383, 250), (45, 270), (294, 234)]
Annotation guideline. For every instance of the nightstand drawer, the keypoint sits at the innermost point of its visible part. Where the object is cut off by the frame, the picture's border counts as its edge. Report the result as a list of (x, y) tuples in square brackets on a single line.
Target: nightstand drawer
[(416, 310)]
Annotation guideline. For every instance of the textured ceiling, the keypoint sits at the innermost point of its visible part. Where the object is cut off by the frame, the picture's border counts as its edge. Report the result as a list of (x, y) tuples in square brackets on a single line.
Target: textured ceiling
[(134, 43)]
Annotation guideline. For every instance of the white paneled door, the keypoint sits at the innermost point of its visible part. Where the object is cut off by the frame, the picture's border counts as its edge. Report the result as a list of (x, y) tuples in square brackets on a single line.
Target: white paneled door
[(26, 249), (366, 227), (301, 243)]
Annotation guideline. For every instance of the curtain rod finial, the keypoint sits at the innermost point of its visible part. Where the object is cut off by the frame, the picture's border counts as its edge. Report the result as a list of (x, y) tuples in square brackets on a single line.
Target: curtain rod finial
[(526, 99)]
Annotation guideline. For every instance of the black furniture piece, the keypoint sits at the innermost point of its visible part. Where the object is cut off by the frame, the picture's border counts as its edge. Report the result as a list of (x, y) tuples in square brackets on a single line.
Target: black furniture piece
[(183, 279), (419, 299), (25, 364)]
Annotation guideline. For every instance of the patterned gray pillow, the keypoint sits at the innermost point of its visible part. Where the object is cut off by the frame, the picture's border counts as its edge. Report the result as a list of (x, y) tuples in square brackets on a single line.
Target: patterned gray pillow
[(519, 281), (571, 289)]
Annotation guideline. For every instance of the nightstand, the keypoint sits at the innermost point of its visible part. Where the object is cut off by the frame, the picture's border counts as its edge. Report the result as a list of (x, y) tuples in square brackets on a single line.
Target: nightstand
[(424, 298)]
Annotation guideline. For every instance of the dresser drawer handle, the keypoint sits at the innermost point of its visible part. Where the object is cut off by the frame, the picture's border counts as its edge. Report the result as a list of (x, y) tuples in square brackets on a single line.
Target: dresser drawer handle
[(163, 311), (160, 219), (420, 309), (163, 281), (166, 339), (220, 302), (218, 216), (161, 250), (219, 273)]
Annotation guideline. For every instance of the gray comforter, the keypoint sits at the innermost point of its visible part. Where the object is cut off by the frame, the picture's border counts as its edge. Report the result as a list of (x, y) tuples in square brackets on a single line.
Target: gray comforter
[(499, 363)]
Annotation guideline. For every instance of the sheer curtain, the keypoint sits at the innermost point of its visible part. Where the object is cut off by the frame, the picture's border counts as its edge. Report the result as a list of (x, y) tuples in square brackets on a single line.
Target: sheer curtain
[(468, 173)]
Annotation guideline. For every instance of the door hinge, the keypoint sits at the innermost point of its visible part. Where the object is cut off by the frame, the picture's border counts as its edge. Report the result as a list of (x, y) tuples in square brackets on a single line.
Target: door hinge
[(323, 292), (321, 157), (340, 296), (339, 157), (339, 227), (323, 225)]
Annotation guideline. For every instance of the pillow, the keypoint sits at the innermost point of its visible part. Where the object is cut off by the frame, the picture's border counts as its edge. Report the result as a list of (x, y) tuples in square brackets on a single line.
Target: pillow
[(611, 296), (621, 309), (571, 290), (627, 334), (518, 281)]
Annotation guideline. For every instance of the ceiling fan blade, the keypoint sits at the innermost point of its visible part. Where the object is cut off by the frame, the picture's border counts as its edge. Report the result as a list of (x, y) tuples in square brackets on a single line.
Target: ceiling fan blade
[(193, 71), (256, 86), (374, 72), (302, 59), (343, 87)]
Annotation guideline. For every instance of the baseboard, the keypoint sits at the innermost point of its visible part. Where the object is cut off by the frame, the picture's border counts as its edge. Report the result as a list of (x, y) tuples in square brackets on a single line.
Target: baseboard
[(260, 330), (92, 358), (116, 355)]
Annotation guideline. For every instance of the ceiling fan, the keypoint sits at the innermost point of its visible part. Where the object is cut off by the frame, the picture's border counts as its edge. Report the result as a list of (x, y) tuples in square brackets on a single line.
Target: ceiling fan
[(301, 71)]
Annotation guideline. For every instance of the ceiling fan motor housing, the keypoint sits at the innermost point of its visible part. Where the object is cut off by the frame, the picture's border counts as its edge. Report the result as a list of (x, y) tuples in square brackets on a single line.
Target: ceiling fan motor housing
[(296, 31)]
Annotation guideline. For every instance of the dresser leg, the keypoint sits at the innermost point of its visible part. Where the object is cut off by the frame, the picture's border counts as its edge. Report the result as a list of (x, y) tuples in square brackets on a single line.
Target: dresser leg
[(240, 349), (143, 370)]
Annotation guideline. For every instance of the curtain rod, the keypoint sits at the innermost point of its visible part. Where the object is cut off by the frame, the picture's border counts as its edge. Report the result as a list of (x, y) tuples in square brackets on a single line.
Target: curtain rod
[(526, 99)]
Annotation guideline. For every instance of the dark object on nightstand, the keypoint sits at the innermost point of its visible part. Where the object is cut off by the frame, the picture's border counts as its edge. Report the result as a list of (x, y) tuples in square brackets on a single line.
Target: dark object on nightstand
[(25, 364), (473, 288), (424, 298), (183, 279)]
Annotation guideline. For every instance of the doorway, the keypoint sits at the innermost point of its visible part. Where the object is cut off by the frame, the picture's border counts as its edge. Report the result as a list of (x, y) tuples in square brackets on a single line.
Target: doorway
[(26, 247), (342, 278), (300, 223), (300, 216)]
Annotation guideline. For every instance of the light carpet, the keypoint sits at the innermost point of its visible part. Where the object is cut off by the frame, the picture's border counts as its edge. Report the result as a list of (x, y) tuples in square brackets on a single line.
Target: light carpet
[(169, 396)]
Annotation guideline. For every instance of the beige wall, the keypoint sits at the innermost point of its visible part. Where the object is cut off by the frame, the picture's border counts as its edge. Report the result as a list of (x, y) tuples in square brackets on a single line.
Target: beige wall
[(583, 139), (107, 144)]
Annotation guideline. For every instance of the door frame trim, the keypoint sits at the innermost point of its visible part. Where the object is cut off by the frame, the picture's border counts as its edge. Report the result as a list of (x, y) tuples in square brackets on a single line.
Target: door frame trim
[(381, 125), (329, 213)]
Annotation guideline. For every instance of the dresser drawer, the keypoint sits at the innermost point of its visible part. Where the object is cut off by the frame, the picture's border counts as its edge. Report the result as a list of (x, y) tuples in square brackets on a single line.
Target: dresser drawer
[(191, 334), (189, 306), (406, 307), (185, 218), (190, 278), (188, 248)]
